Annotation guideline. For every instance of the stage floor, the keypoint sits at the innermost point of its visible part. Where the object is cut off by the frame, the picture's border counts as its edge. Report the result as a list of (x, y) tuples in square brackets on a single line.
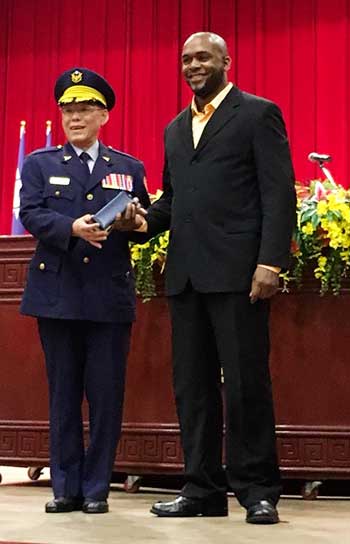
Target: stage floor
[(22, 519)]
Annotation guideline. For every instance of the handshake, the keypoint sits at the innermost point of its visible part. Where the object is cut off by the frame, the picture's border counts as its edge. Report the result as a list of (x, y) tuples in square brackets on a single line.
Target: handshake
[(121, 213)]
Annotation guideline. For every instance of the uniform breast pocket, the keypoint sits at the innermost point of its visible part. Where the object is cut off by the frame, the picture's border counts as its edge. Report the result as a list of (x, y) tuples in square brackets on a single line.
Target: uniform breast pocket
[(58, 197)]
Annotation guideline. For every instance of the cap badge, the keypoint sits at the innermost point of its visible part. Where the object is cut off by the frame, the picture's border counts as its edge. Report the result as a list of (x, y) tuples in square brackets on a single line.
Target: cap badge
[(76, 76)]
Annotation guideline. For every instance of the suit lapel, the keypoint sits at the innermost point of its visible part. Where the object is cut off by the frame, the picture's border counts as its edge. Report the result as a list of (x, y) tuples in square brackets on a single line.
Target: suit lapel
[(185, 128), (226, 111)]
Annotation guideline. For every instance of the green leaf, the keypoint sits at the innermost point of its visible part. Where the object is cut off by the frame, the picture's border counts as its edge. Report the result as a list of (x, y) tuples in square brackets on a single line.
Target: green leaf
[(307, 215), (315, 220)]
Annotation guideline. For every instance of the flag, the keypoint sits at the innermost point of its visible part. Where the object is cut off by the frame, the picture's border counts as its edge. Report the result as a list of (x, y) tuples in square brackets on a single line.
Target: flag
[(17, 227), (48, 134)]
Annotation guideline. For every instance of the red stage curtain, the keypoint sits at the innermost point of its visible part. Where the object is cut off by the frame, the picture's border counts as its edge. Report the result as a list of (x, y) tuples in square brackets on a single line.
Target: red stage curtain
[(295, 52)]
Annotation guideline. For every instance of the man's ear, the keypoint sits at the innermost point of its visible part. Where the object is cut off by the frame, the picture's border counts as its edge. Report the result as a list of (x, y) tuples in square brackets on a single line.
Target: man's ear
[(105, 117), (227, 63)]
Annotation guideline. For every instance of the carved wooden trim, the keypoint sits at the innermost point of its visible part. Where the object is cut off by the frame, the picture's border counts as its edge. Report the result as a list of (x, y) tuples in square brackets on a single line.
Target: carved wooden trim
[(19, 250), (15, 254), (145, 448)]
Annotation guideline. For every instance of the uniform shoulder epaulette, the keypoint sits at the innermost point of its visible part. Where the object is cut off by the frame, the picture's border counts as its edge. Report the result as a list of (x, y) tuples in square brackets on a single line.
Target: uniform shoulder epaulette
[(110, 148), (49, 149)]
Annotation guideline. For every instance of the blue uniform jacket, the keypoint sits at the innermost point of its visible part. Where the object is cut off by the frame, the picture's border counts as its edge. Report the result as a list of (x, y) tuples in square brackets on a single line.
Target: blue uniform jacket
[(68, 278)]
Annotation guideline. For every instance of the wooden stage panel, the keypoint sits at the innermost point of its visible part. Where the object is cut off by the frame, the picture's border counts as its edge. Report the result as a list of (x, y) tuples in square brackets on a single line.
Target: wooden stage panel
[(309, 365), (149, 395), (310, 359)]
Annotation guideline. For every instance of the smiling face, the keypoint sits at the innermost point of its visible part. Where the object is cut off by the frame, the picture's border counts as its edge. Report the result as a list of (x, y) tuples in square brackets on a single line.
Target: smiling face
[(204, 65), (81, 123)]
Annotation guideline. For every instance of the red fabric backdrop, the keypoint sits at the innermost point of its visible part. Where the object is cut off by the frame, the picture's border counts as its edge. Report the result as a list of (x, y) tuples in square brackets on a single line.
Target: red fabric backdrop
[(295, 52)]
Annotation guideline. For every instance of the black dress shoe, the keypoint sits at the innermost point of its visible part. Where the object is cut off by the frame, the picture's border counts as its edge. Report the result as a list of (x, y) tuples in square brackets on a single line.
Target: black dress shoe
[(262, 512), (91, 506), (214, 505), (63, 504)]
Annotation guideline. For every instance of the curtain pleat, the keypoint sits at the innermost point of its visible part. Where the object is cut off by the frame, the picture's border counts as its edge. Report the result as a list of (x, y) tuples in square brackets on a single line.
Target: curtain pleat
[(294, 52)]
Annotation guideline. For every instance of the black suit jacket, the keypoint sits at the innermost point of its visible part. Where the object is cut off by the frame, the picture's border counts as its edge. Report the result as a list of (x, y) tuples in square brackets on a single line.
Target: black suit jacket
[(229, 203)]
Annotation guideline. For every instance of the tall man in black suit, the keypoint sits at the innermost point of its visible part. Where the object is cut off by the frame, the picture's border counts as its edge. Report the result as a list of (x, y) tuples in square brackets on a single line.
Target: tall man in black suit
[(229, 202)]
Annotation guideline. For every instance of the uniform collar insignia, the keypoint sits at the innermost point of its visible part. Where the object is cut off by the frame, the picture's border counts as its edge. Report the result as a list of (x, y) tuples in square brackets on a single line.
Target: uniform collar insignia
[(67, 157), (106, 158)]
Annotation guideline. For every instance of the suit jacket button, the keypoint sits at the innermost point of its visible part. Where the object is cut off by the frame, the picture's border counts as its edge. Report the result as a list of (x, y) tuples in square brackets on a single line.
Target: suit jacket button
[(42, 266), (89, 196), (86, 260)]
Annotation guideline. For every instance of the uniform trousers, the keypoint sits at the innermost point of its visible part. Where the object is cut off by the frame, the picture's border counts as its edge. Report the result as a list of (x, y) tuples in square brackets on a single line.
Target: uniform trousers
[(211, 331), (84, 357)]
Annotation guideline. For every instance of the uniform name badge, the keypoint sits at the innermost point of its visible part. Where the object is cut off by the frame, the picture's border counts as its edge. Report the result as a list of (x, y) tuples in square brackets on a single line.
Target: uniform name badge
[(57, 180), (123, 182)]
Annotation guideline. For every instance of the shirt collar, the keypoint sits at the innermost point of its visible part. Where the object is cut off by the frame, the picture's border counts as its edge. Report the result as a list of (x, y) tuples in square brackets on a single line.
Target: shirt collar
[(92, 151), (213, 104)]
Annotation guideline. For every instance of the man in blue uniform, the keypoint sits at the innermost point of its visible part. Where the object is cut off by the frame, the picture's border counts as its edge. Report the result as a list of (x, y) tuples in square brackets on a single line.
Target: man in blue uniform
[(81, 288)]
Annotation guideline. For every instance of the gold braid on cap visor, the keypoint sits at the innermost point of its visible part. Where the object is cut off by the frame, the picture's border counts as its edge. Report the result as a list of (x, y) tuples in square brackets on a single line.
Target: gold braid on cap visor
[(81, 93)]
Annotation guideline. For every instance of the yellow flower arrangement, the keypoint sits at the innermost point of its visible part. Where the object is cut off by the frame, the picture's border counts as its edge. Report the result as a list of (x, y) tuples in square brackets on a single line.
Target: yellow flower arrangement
[(145, 258), (322, 236), (321, 241), (148, 257)]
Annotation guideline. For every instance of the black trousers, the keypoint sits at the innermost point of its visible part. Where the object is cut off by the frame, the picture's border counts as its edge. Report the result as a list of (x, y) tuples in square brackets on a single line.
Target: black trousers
[(84, 357), (224, 330)]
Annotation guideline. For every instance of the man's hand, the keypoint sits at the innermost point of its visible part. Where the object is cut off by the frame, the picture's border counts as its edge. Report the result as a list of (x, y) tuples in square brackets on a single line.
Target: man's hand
[(90, 232), (264, 284), (132, 218)]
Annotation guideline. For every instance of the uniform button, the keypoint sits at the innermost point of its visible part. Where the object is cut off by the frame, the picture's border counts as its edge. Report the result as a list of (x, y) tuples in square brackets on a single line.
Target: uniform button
[(86, 260), (42, 266), (57, 193), (89, 196)]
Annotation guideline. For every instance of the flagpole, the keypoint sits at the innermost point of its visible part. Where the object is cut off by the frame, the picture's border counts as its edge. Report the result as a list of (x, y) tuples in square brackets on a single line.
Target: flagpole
[(17, 227), (48, 133)]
